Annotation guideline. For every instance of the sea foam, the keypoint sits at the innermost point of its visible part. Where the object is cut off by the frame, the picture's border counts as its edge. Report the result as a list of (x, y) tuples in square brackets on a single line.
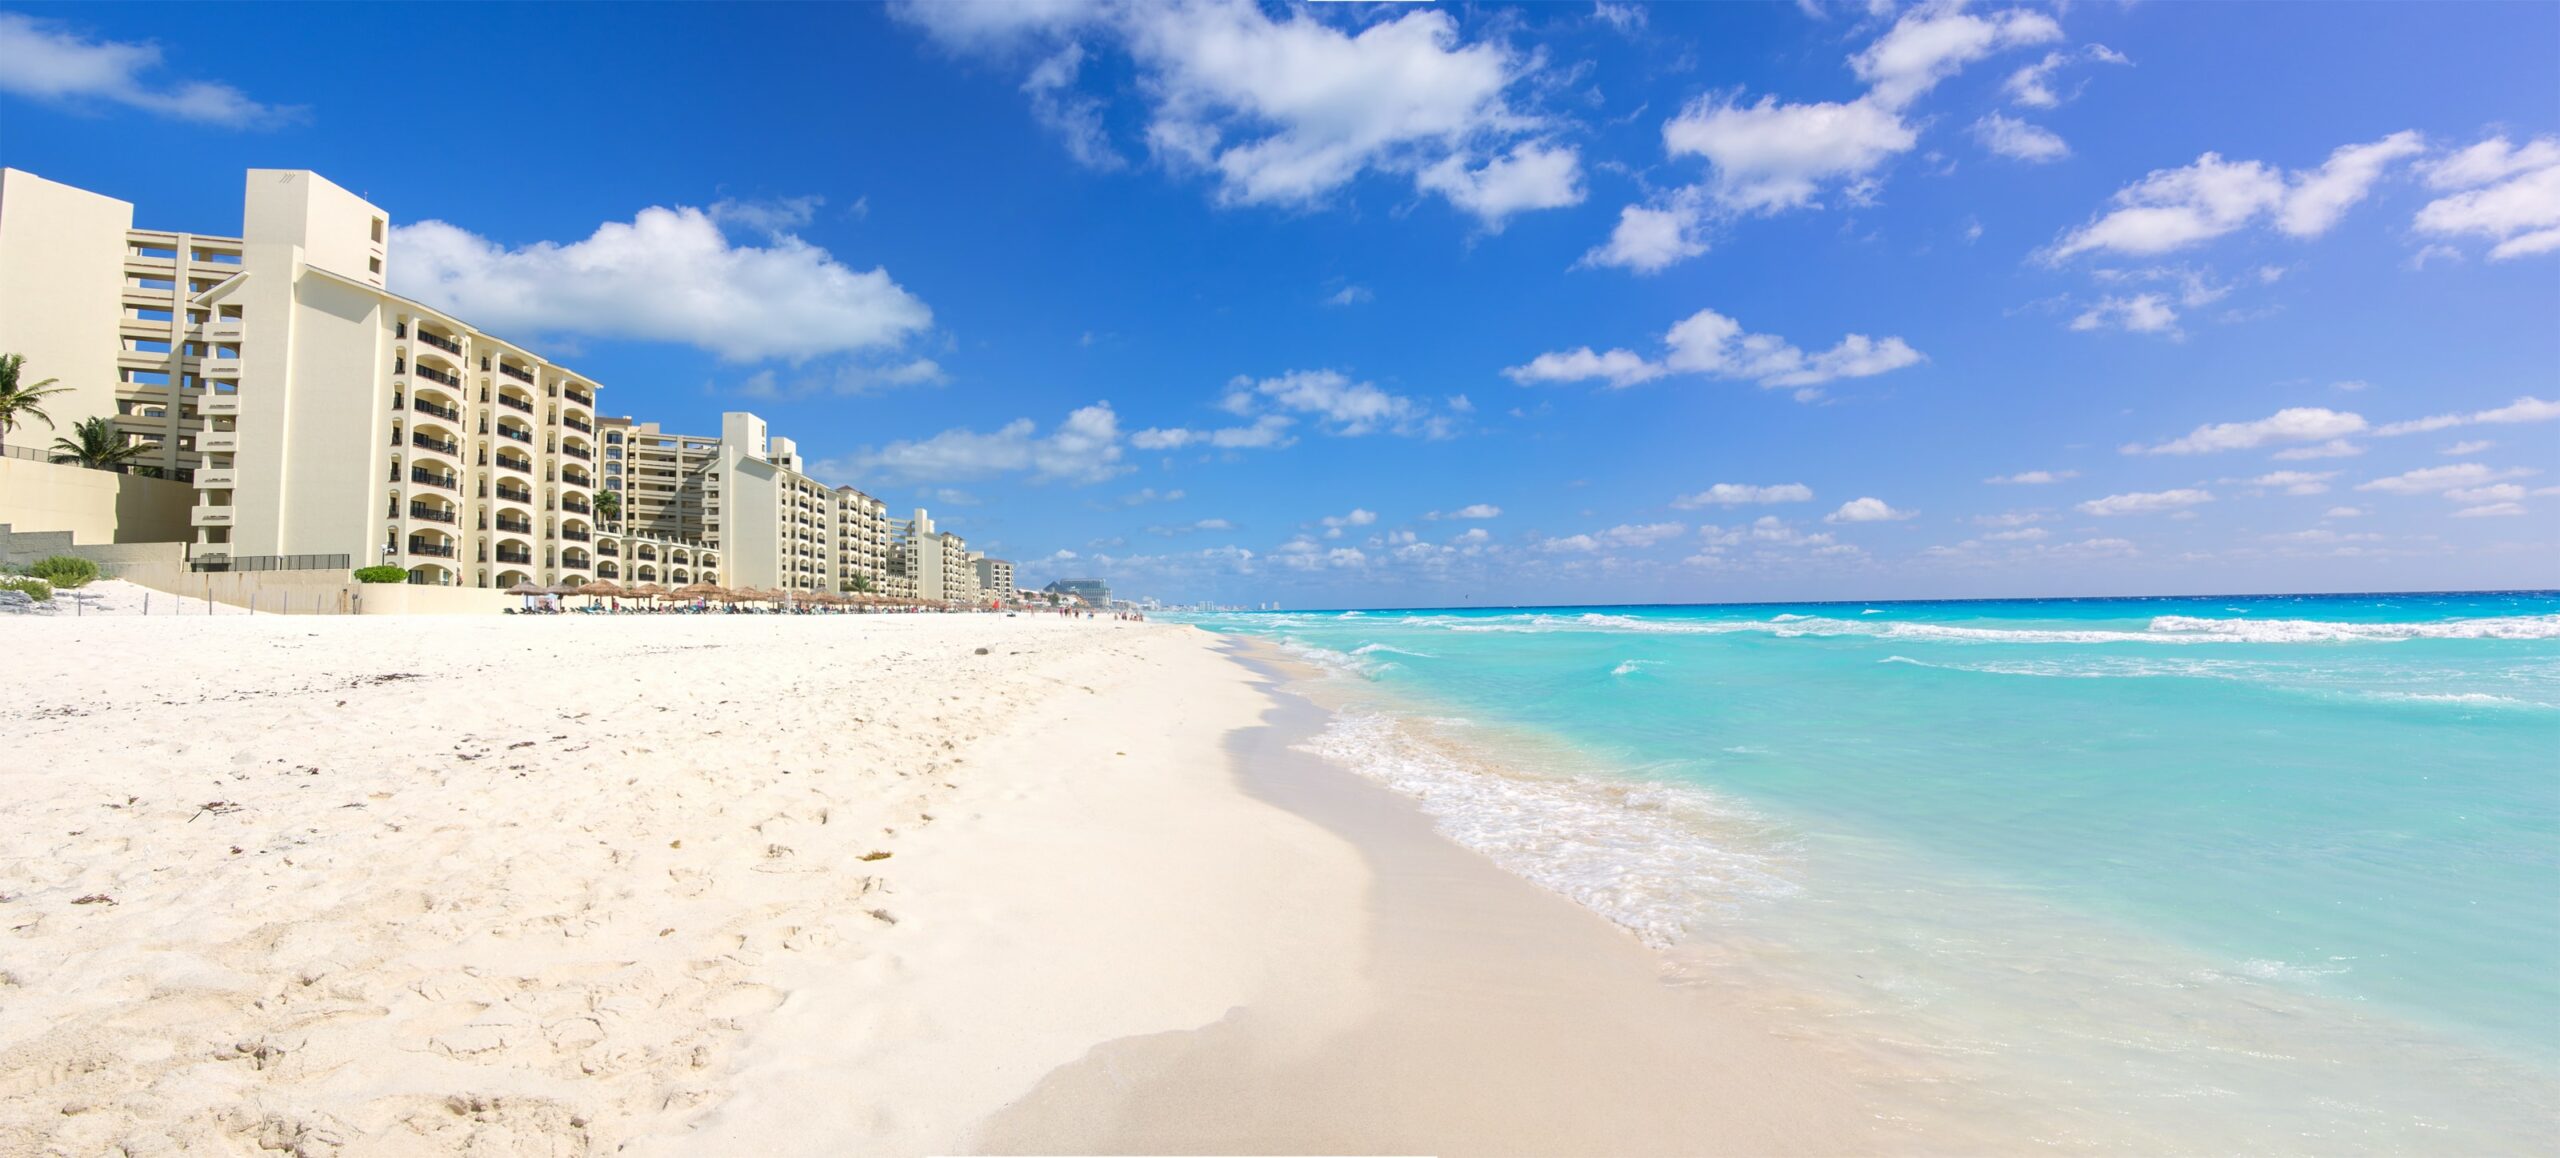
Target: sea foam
[(1645, 855)]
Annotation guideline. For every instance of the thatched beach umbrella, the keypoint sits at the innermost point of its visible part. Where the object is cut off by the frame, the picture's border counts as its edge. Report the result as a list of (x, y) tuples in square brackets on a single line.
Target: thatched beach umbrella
[(645, 591), (528, 587)]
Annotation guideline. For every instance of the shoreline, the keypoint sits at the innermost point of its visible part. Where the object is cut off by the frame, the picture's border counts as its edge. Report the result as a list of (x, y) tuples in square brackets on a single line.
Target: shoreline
[(1498, 1018)]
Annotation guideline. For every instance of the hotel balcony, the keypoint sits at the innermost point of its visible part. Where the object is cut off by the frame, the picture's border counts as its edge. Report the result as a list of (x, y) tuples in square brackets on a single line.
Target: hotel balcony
[(214, 404), (578, 424), (448, 413), (579, 452), (209, 516), (515, 526), (580, 397), (218, 442), (513, 402), (431, 374), (224, 330), (524, 436), (438, 445), (576, 534), (440, 550), (575, 505), (518, 558), (227, 369), (449, 482), (431, 514), (440, 342), (515, 496), (518, 373), (221, 479)]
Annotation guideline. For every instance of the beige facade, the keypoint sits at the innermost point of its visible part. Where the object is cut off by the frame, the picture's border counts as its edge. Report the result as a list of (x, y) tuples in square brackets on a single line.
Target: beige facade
[(995, 578), (930, 564), (315, 413), (862, 542)]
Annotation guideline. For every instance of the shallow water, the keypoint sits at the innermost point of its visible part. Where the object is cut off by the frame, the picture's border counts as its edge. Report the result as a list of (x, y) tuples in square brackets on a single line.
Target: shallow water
[(2256, 872)]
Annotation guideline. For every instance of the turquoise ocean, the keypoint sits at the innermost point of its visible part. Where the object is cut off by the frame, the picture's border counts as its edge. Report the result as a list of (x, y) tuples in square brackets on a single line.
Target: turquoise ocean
[(2202, 874)]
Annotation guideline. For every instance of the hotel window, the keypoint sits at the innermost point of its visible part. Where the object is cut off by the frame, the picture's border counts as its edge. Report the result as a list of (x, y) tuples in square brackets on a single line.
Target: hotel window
[(377, 234)]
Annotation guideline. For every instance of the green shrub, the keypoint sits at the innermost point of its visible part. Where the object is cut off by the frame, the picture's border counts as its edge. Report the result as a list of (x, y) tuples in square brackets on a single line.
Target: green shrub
[(36, 589), (63, 570), (385, 573)]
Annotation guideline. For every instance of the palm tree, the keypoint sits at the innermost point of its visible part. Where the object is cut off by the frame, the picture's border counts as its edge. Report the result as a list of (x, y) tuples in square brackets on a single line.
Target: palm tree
[(609, 505), (860, 585), (19, 403), (96, 444)]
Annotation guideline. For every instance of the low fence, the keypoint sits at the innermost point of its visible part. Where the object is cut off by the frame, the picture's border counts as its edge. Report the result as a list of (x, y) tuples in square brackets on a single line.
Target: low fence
[(274, 563)]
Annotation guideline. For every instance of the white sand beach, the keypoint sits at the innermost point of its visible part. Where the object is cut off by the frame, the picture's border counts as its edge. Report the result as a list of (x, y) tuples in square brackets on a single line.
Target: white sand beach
[(788, 885)]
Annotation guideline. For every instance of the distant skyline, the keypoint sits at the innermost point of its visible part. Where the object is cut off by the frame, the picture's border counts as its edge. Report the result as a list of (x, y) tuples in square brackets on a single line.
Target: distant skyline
[(1408, 305)]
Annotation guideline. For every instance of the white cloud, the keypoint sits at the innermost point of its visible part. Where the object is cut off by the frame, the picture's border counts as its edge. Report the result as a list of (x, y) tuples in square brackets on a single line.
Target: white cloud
[(2010, 137), (2468, 446), (45, 60), (1084, 448), (2138, 314), (2439, 479), (2021, 535), (2292, 482), (1144, 495), (2295, 424), (1359, 517), (665, 275), (1290, 110), (1193, 527), (2175, 208), (1621, 368), (1640, 534), (1766, 531), (1772, 156), (2318, 199), (2512, 197), (2334, 448), (1712, 344), (1470, 511), (1624, 535), (2033, 478), (1473, 535), (1075, 117), (1350, 295), (2522, 410), (1532, 176), (2343, 513), (1934, 41), (2493, 493), (1270, 430), (2145, 502), (2032, 86), (2492, 510), (1866, 510), (1737, 494), (1344, 407), (1623, 17), (1649, 239)]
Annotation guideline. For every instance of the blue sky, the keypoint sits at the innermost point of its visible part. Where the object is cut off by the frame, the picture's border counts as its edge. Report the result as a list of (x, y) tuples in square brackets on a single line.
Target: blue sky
[(1428, 305)]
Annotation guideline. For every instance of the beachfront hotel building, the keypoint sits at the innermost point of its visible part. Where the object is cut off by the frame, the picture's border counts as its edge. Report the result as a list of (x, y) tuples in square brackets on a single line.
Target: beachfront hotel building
[(930, 564), (317, 415), (323, 421), (862, 542), (995, 577)]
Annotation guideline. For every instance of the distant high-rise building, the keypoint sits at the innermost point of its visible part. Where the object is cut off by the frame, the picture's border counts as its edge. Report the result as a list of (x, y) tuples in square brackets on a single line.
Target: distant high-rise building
[(1093, 591)]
